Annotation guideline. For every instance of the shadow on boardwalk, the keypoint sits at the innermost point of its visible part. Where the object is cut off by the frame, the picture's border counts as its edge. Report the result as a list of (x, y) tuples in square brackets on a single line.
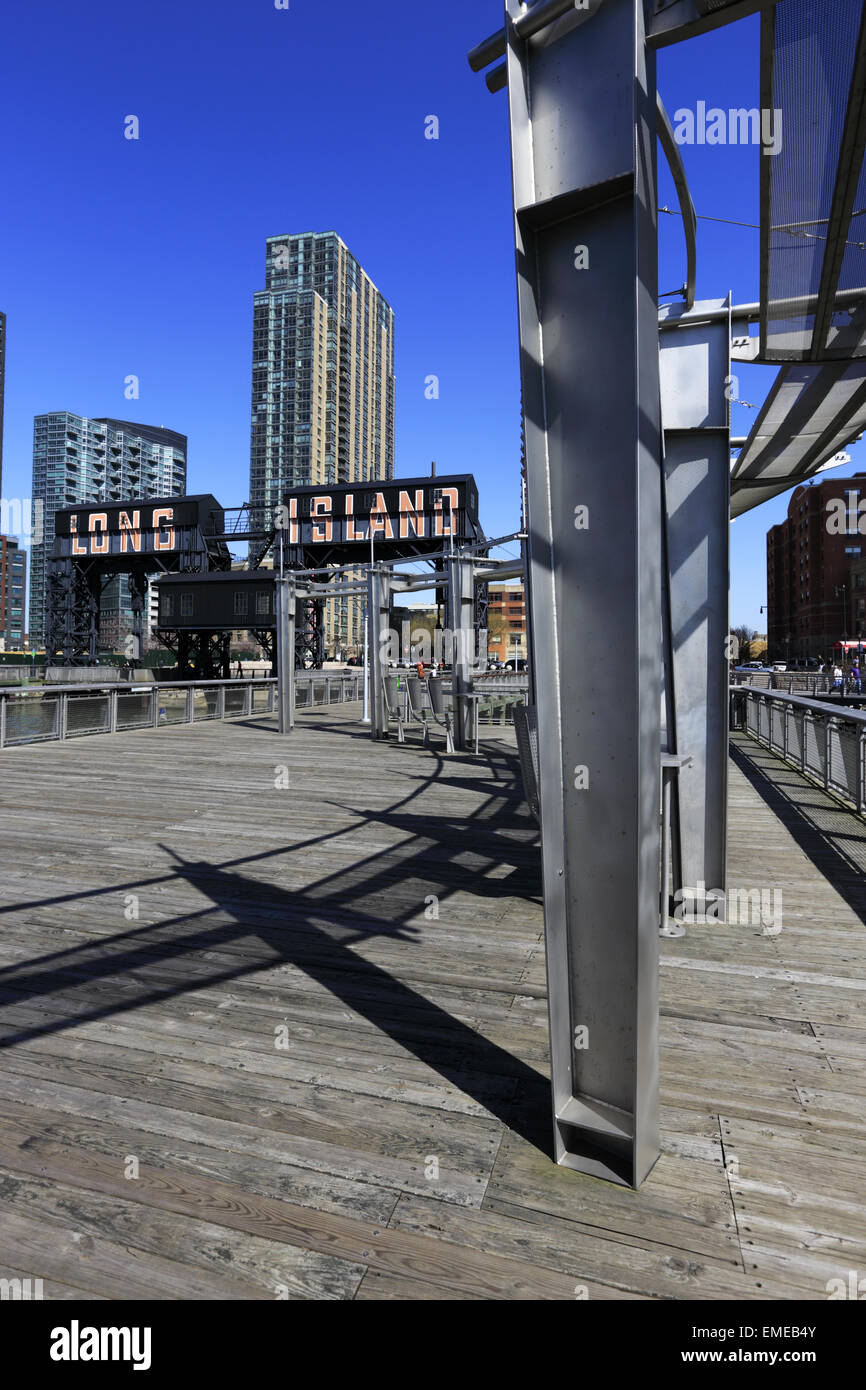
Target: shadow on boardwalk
[(314, 929)]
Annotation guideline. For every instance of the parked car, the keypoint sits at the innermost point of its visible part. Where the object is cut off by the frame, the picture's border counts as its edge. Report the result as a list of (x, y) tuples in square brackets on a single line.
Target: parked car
[(780, 666), (750, 666)]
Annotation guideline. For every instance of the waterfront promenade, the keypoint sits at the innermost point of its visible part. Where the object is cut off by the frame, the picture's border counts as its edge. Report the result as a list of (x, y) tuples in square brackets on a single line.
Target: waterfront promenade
[(273, 1024)]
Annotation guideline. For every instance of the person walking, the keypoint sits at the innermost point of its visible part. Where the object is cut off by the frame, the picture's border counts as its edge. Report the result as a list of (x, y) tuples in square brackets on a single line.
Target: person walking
[(856, 678)]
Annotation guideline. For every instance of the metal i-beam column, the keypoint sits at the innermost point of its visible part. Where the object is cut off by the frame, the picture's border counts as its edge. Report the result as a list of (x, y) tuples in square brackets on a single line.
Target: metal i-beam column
[(461, 611), (379, 619), (285, 652), (582, 102), (695, 356)]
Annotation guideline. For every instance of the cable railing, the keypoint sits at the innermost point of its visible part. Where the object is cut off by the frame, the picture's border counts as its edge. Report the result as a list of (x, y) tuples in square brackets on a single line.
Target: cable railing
[(823, 743), (49, 713)]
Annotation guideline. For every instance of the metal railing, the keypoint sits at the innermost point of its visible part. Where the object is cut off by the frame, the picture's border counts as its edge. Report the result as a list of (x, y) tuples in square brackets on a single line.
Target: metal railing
[(812, 683), (323, 688), (827, 745), (48, 713)]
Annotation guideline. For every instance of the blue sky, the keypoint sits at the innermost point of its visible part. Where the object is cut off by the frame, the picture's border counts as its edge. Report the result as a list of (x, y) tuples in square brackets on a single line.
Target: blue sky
[(141, 257)]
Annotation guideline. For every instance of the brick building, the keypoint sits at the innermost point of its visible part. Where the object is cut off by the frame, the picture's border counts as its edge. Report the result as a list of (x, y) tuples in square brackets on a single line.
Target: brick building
[(813, 570), (506, 622)]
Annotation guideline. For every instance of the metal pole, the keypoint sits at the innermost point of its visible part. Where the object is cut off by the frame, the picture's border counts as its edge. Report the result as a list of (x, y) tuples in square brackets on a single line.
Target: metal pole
[(461, 608), (694, 369), (378, 607), (583, 131), (365, 713), (285, 645)]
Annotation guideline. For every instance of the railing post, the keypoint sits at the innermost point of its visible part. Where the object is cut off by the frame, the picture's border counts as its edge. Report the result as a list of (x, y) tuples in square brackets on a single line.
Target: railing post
[(861, 771), (220, 712), (808, 719), (154, 713), (112, 712), (828, 723), (190, 704), (2, 721)]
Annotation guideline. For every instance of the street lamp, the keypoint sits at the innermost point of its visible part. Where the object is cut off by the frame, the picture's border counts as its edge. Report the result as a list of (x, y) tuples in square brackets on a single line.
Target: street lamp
[(841, 591)]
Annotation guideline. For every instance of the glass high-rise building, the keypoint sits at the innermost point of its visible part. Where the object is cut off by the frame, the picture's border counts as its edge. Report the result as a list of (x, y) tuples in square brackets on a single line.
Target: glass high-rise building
[(322, 382), (76, 459)]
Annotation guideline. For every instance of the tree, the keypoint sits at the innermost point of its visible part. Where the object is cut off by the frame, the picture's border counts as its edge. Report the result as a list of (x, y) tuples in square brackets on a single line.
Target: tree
[(741, 645)]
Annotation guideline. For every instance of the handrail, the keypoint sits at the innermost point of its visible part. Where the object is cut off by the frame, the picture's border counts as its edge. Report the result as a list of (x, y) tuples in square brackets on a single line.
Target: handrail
[(826, 743), (50, 687), (856, 716), (48, 713)]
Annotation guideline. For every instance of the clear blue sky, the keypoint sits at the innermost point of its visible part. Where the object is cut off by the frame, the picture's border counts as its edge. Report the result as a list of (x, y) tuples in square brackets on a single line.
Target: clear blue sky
[(120, 257)]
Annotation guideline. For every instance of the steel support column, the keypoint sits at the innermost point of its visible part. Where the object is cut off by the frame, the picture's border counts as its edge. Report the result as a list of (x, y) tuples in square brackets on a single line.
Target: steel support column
[(695, 371), (379, 621), (461, 611), (285, 650), (582, 103)]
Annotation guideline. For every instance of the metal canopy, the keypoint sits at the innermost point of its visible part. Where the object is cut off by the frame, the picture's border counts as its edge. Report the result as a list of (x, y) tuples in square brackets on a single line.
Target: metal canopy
[(813, 186), (811, 413), (674, 20)]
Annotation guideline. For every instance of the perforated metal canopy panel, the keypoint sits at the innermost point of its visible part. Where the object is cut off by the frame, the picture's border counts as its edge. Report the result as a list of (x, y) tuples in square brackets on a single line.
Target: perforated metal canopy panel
[(813, 181), (812, 412)]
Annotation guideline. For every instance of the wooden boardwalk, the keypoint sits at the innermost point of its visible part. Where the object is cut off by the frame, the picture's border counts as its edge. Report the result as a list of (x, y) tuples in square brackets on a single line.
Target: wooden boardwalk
[(264, 1041)]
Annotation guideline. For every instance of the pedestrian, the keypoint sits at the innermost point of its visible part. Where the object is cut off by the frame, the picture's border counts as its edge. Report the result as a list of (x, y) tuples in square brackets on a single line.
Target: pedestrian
[(856, 678), (837, 678)]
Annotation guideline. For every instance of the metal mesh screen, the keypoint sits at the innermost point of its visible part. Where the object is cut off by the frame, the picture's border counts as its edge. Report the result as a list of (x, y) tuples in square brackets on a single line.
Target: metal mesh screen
[(808, 78)]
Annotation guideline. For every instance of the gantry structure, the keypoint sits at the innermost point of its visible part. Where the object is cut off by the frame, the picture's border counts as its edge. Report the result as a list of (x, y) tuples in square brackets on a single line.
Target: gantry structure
[(609, 375)]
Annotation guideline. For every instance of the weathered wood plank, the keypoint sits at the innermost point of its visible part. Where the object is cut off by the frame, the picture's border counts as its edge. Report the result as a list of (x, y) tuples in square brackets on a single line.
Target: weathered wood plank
[(397, 1146)]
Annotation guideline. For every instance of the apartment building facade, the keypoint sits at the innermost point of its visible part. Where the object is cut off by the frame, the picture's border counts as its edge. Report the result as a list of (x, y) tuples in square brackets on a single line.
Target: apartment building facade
[(13, 594), (506, 621), (76, 459), (812, 561), (323, 384)]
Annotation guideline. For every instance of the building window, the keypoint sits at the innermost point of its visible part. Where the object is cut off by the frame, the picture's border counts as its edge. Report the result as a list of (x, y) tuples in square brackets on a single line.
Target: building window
[(263, 604), (240, 609), (186, 607), (167, 605)]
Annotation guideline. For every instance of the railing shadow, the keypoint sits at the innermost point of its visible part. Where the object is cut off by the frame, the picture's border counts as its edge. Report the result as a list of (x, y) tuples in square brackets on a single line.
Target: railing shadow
[(315, 929), (823, 847)]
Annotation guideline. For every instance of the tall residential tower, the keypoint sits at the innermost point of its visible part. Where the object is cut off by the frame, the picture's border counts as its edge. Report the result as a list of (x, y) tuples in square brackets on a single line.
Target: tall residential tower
[(322, 381)]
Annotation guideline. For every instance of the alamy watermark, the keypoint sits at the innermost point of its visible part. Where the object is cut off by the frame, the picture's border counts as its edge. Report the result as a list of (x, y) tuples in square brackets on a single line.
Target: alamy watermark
[(22, 517), (737, 126), (757, 907)]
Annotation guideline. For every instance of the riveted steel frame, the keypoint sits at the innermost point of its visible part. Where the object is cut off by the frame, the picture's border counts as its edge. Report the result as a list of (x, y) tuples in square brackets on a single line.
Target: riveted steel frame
[(695, 356), (582, 103)]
